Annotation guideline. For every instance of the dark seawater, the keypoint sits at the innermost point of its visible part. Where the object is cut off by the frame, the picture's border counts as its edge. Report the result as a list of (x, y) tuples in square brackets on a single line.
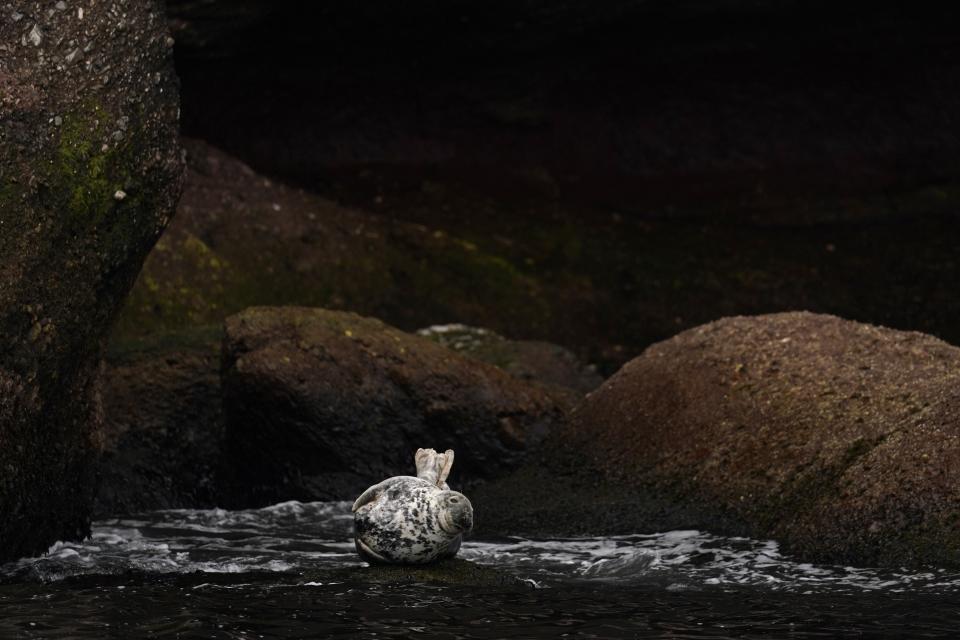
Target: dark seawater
[(289, 571)]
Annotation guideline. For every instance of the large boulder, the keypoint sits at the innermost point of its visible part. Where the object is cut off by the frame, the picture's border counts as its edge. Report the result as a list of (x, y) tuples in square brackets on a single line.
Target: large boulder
[(89, 176), (163, 418), (321, 404), (840, 439)]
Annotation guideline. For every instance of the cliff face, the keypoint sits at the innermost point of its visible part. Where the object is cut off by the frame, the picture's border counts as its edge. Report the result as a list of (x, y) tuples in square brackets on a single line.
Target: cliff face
[(90, 169)]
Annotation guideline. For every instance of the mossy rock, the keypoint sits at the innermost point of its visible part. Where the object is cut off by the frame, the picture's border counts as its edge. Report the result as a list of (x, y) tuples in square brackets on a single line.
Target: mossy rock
[(241, 240), (89, 177)]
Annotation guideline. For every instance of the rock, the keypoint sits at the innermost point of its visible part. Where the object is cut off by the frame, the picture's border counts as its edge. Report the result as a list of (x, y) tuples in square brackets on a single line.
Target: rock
[(322, 404), (69, 251), (163, 428), (241, 240), (163, 421), (840, 439), (534, 360), (605, 287), (554, 90)]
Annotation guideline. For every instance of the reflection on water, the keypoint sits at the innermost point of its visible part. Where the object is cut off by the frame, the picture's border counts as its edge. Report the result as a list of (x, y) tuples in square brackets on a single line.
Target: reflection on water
[(290, 571)]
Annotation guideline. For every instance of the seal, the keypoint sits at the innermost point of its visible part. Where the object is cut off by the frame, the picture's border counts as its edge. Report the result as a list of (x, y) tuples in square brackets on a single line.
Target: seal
[(412, 520)]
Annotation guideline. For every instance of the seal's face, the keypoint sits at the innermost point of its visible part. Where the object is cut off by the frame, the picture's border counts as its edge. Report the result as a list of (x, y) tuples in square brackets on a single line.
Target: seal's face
[(456, 513)]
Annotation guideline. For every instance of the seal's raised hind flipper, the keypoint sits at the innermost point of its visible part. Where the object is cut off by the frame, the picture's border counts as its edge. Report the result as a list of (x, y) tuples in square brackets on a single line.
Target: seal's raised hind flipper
[(445, 460), (434, 467), (425, 459)]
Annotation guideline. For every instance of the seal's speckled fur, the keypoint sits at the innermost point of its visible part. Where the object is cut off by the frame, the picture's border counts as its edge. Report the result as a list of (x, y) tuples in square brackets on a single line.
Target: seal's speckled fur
[(407, 520)]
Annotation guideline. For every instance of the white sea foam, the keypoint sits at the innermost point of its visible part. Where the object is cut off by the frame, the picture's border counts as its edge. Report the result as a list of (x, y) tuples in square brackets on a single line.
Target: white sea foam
[(690, 559), (295, 537), (284, 537)]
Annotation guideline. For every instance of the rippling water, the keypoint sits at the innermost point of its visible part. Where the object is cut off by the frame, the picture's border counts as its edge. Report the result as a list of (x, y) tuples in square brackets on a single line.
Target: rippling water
[(290, 571)]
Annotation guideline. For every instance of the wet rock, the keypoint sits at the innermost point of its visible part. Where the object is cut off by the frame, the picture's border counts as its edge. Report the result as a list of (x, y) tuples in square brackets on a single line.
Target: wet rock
[(533, 360), (840, 439), (322, 404), (69, 252), (163, 427)]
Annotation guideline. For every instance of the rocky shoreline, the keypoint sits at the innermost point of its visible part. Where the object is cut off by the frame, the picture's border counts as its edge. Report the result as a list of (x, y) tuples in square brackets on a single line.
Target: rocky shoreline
[(834, 437), (586, 207)]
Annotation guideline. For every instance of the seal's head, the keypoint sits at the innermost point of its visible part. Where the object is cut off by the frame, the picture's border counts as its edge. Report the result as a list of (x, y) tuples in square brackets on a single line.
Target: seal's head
[(456, 513)]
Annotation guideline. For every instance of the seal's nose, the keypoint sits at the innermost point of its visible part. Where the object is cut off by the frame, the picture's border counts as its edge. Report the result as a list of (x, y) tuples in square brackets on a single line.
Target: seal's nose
[(463, 516), (456, 515), (465, 519), (460, 512)]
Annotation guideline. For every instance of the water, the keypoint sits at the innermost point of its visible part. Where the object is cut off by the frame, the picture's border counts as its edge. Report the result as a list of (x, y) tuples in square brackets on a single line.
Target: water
[(290, 571)]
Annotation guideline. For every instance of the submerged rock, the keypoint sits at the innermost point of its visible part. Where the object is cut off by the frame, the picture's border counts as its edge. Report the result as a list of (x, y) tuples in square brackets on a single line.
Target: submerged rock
[(76, 128), (840, 439), (321, 404)]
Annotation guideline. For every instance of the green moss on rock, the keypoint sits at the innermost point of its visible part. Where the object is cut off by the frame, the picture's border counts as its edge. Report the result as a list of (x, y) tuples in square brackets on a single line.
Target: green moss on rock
[(71, 244), (241, 241)]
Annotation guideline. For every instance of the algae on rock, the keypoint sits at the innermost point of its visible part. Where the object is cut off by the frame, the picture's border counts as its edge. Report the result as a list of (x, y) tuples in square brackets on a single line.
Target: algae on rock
[(89, 176)]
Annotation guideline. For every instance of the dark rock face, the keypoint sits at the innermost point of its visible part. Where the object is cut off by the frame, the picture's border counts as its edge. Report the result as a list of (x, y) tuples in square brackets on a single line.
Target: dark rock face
[(162, 430), (322, 404), (89, 176), (838, 438), (672, 104)]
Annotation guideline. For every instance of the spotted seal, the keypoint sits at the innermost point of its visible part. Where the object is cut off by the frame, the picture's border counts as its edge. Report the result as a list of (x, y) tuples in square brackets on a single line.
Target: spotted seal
[(407, 520)]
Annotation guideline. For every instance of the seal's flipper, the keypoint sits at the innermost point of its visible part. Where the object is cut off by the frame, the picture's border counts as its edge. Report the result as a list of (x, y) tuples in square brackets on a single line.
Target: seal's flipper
[(426, 461), (369, 495), (368, 554), (452, 549), (432, 466), (445, 461)]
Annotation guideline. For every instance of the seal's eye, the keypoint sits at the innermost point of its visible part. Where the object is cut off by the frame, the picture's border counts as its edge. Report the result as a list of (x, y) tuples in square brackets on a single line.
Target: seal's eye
[(454, 500)]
